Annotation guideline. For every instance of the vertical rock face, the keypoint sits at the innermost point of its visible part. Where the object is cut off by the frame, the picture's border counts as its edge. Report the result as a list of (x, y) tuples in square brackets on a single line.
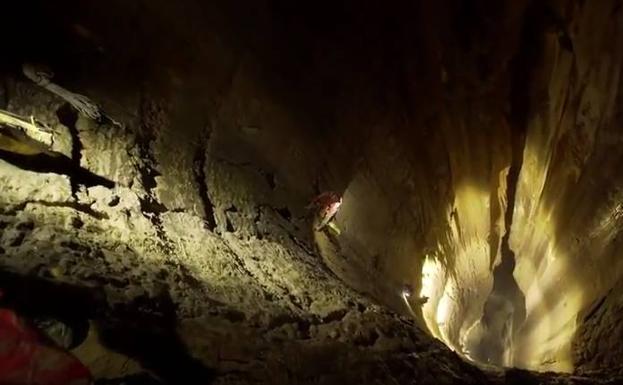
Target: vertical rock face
[(475, 145), (566, 202)]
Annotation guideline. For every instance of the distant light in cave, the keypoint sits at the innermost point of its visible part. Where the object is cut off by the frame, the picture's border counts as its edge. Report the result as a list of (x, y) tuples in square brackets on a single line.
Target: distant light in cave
[(458, 291)]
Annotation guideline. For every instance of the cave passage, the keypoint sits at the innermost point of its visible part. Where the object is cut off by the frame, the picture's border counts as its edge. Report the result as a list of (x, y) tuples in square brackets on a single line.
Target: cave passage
[(278, 192)]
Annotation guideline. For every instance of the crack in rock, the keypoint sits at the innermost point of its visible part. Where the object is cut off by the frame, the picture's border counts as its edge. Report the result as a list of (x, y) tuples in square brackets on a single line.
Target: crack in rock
[(199, 164), (151, 115)]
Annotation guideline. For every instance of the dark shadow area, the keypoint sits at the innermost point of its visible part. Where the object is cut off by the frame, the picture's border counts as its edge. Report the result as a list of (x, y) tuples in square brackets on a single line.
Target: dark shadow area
[(503, 314), (56, 164), (69, 117), (144, 329), (521, 377), (34, 298)]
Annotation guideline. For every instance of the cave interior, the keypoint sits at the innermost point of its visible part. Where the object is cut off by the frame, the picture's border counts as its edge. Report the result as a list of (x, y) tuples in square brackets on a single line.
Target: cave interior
[(159, 163)]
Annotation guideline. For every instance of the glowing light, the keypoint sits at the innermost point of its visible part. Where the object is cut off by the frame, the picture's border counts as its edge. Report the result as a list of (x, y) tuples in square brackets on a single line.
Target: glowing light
[(458, 289), (443, 315), (456, 296), (543, 342), (433, 285), (430, 270)]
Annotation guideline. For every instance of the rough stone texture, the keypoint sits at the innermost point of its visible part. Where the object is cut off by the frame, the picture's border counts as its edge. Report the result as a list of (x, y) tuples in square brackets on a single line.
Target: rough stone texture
[(597, 341), (236, 115)]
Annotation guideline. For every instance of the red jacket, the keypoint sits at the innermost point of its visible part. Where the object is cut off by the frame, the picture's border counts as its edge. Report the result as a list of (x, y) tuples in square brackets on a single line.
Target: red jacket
[(26, 359)]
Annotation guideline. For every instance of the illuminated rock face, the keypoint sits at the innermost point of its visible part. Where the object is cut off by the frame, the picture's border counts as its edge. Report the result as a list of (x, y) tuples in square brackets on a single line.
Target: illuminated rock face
[(564, 219), (476, 148)]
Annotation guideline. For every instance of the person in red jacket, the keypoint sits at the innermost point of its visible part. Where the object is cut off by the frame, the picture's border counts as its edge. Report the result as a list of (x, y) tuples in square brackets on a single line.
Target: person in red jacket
[(28, 358), (326, 206)]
